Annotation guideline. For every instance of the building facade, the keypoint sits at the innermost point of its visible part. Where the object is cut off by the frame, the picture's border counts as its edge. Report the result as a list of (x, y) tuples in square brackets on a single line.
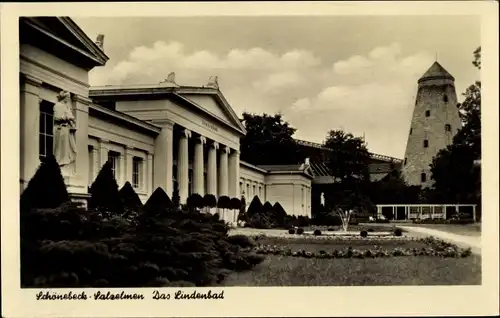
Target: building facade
[(157, 135), (434, 123)]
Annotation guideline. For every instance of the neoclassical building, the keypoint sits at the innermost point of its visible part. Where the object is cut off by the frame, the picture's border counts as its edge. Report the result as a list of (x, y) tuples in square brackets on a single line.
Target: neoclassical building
[(154, 135)]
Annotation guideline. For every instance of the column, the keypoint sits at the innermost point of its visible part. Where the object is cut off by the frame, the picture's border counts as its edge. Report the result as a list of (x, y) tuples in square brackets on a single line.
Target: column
[(148, 178), (95, 164), (164, 157), (183, 165), (234, 174), (212, 169), (198, 166), (223, 171), (129, 166), (29, 128), (103, 152)]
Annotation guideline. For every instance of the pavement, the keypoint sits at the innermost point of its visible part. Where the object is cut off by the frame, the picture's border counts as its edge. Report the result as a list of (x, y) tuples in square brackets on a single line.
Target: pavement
[(464, 241)]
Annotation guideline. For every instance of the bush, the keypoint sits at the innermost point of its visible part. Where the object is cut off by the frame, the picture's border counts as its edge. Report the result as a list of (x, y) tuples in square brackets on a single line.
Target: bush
[(303, 221), (209, 201), (255, 207), (235, 204), (291, 231), (398, 232), (224, 202), (130, 200), (363, 233), (267, 208), (317, 232), (158, 202), (241, 240), (330, 229), (194, 201), (259, 221), (370, 230), (300, 231), (46, 189), (104, 193)]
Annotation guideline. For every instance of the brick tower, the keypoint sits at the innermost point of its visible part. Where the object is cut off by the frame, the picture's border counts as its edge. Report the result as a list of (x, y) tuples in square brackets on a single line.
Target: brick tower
[(434, 122)]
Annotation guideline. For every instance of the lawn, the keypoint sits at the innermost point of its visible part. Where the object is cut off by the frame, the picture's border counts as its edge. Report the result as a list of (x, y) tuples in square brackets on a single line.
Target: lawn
[(278, 270)]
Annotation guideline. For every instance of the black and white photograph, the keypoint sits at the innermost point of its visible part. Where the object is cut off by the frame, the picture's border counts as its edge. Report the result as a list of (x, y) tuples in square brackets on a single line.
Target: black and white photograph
[(179, 157)]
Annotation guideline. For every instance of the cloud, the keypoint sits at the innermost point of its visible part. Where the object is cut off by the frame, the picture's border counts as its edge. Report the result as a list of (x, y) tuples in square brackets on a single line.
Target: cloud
[(366, 92)]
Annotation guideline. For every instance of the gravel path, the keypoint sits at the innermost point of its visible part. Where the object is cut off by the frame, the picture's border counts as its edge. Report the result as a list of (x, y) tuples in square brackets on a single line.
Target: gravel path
[(461, 240)]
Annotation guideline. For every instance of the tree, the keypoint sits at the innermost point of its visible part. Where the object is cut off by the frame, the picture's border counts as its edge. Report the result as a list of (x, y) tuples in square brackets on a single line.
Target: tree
[(456, 174), (46, 189), (268, 140), (349, 157), (104, 194)]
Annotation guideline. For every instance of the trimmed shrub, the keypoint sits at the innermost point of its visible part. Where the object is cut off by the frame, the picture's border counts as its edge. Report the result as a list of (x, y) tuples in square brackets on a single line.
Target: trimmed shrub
[(224, 202), (104, 192), (158, 202), (255, 207), (235, 204), (291, 231), (363, 233), (46, 189), (317, 232), (209, 201), (241, 240), (300, 231), (398, 232), (267, 208), (130, 199), (194, 201), (279, 213)]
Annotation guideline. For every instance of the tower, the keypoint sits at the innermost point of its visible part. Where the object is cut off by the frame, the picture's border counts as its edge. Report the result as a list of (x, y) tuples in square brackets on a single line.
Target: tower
[(434, 123)]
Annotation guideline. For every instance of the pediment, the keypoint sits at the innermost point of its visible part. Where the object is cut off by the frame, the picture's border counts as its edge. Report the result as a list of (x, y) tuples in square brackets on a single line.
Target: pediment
[(213, 106), (65, 31)]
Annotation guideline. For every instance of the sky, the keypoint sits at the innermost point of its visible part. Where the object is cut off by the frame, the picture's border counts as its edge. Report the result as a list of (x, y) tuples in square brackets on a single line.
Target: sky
[(356, 73)]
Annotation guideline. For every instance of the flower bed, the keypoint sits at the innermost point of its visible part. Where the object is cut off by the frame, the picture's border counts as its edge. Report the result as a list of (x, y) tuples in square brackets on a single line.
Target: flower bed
[(434, 247)]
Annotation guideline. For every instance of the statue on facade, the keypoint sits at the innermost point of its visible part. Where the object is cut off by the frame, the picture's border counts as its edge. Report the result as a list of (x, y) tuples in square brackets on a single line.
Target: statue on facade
[(213, 82), (64, 132), (322, 199)]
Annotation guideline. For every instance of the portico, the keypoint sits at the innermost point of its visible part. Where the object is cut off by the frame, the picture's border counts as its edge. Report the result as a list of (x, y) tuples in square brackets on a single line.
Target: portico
[(197, 149)]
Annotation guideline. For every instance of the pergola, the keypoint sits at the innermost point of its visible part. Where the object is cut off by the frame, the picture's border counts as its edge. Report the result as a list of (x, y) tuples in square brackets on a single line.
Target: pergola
[(424, 211)]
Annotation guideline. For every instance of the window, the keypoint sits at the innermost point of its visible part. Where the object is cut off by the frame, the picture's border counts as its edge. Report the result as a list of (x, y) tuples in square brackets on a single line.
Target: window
[(427, 113), (248, 190), (113, 158), (423, 177), (411, 130), (445, 98), (91, 164), (447, 127), (254, 193), (405, 162), (242, 190), (260, 192), (426, 143), (136, 172), (46, 132)]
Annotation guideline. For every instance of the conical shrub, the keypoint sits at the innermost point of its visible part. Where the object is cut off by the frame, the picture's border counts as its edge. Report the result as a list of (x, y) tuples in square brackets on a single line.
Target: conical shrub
[(46, 189), (130, 199), (255, 207), (104, 192), (158, 202)]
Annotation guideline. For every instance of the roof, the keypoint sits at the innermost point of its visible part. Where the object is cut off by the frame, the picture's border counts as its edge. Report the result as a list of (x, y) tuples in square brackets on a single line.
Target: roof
[(372, 155), (63, 37), (117, 92), (436, 71)]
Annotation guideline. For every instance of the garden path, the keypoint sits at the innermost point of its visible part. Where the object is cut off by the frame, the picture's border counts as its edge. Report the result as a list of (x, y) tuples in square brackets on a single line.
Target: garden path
[(461, 240)]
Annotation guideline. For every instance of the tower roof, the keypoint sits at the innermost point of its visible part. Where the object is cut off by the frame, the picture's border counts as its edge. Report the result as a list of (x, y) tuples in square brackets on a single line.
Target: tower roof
[(436, 71)]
